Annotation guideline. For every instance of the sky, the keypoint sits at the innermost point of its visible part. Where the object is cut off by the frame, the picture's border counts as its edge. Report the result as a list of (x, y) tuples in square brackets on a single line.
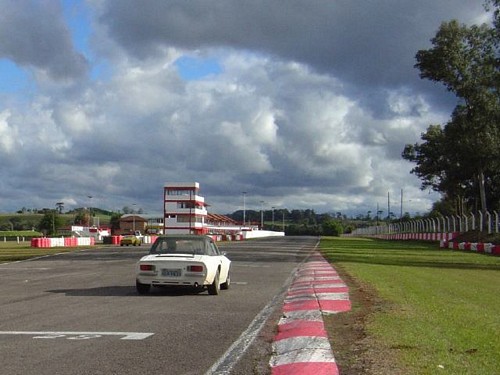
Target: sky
[(293, 104)]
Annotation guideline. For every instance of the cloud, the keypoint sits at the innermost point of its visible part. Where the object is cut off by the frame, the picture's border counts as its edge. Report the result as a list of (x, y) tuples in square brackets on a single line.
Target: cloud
[(33, 34), (7, 134), (340, 38), (310, 104)]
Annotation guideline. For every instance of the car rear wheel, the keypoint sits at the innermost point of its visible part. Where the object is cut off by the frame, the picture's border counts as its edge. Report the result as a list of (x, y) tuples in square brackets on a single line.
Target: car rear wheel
[(214, 288), (142, 288), (225, 286)]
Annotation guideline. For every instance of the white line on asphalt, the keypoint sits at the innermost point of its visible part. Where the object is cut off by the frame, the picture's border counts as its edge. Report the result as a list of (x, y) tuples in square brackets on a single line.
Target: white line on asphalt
[(24, 269), (225, 363), (59, 334)]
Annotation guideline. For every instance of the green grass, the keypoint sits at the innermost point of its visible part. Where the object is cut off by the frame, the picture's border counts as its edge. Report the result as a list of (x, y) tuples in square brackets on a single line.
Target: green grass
[(19, 233), (12, 251), (442, 308)]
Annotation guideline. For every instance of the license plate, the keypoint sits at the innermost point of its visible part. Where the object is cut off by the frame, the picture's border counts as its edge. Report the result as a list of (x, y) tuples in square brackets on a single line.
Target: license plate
[(171, 272)]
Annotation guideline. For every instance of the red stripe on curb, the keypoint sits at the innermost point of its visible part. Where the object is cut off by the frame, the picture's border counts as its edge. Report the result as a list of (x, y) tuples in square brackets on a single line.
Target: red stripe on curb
[(337, 280), (318, 271), (316, 368), (335, 306), (323, 305), (317, 276), (313, 290), (300, 328), (301, 305)]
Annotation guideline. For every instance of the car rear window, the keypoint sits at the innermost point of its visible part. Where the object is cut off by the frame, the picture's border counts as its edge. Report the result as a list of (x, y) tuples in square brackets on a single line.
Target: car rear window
[(179, 246)]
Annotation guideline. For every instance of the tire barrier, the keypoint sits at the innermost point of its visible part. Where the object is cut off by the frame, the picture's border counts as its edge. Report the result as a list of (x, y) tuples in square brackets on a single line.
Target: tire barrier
[(226, 237), (446, 241), (44, 242), (62, 242), (486, 248)]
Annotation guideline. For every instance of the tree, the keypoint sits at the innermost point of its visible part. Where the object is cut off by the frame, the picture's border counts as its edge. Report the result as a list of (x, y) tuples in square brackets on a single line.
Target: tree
[(332, 228), (465, 60), (82, 218), (114, 222), (430, 159), (496, 12), (50, 222)]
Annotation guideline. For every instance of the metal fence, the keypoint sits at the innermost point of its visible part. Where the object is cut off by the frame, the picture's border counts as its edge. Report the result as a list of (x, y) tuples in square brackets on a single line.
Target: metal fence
[(488, 223)]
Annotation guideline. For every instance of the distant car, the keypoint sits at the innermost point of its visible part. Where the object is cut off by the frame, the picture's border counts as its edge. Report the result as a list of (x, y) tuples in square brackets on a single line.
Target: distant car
[(184, 260), (130, 240)]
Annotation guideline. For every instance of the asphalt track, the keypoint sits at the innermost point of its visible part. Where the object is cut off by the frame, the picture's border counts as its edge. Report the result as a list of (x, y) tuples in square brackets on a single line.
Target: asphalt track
[(78, 313)]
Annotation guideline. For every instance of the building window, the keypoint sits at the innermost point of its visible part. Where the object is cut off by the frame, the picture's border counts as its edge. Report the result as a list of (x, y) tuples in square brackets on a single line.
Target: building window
[(180, 192), (189, 219), (185, 205)]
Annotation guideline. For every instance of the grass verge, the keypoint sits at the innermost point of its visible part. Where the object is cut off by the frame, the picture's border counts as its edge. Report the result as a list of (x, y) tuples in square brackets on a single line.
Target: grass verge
[(11, 251), (431, 310)]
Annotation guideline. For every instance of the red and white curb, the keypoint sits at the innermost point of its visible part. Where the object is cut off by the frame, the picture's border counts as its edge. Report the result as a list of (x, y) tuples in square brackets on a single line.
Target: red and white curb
[(301, 345)]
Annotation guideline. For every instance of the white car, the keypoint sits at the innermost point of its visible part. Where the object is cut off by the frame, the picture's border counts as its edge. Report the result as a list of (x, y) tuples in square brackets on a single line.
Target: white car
[(184, 260)]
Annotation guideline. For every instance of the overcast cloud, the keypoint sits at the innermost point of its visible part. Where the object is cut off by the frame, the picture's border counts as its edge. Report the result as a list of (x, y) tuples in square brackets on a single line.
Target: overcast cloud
[(301, 104)]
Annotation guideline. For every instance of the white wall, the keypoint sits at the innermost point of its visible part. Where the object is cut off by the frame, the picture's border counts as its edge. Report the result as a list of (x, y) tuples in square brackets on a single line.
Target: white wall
[(261, 234)]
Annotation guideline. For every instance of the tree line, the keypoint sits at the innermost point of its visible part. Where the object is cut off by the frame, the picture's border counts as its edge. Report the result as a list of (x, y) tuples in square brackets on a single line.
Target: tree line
[(296, 222)]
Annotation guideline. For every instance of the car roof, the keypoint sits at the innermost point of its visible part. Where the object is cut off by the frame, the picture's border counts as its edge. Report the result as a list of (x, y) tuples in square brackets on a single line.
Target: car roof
[(186, 237)]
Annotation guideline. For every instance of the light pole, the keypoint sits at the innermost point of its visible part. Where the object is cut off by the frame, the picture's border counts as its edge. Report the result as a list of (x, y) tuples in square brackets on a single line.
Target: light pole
[(90, 208), (133, 218), (261, 215), (54, 223), (401, 212), (273, 215), (244, 208)]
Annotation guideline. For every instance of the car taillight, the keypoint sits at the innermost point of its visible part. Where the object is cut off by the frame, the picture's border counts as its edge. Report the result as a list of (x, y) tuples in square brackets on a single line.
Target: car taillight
[(195, 268), (147, 267)]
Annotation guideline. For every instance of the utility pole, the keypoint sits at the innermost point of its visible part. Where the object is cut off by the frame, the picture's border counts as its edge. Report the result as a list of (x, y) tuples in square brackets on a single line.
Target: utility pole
[(388, 206), (244, 207), (401, 213), (261, 215)]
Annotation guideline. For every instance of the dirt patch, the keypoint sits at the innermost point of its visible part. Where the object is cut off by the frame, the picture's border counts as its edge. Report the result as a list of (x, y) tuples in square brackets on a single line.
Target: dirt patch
[(355, 351)]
